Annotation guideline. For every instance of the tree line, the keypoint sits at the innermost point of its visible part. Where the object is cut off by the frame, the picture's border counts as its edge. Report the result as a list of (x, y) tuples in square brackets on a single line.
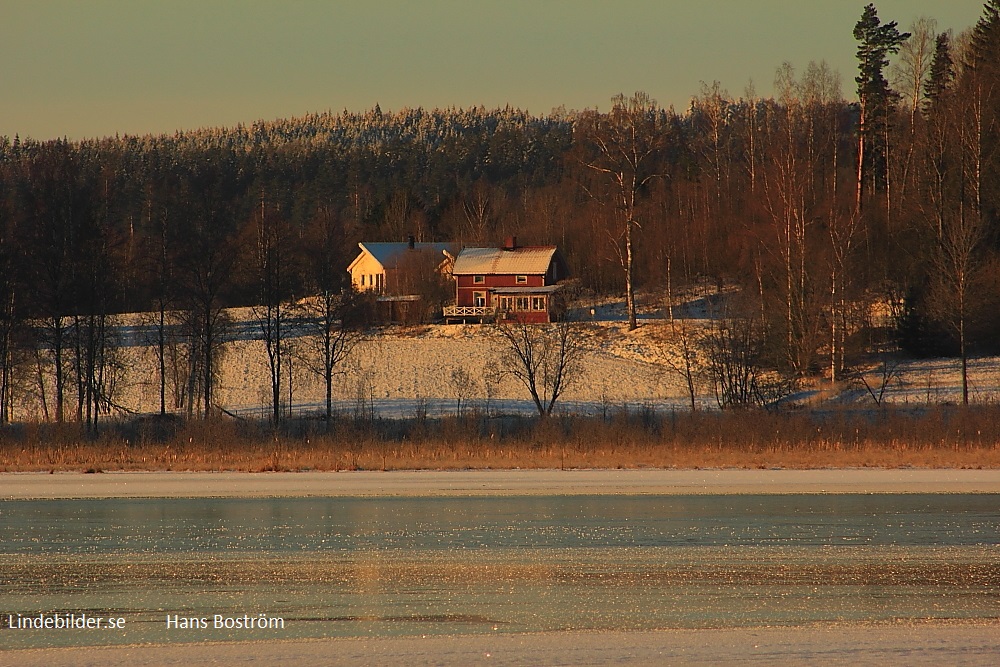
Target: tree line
[(830, 217)]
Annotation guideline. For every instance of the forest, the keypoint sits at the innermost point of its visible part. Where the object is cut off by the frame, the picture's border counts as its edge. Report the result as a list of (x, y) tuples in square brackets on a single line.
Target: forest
[(828, 217)]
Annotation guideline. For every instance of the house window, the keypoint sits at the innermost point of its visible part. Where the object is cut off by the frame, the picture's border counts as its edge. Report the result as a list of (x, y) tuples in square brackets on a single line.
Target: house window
[(505, 303), (522, 303), (362, 280), (478, 280), (522, 280), (479, 299), (538, 303)]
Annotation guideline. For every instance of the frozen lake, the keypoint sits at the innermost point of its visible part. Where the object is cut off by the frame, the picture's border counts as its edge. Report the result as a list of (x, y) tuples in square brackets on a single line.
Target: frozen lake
[(378, 567)]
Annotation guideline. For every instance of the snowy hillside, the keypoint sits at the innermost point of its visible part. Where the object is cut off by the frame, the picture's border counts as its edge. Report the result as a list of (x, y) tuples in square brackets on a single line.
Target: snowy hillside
[(409, 371)]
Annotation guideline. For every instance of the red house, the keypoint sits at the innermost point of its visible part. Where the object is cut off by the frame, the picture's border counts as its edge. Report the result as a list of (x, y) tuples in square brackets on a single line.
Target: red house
[(513, 282)]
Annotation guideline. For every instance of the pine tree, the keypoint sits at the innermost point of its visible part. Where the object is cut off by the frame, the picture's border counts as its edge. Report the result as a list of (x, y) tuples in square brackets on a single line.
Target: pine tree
[(876, 42)]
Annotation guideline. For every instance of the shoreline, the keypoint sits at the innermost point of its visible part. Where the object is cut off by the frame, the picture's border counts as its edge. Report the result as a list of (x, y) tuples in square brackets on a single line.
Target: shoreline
[(462, 483)]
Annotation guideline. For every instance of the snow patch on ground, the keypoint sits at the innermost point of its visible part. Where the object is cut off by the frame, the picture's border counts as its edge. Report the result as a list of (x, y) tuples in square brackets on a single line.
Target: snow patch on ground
[(408, 371)]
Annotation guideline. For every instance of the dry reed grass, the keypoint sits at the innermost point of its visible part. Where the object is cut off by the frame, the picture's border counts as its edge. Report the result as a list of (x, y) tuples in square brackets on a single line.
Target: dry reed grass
[(936, 437)]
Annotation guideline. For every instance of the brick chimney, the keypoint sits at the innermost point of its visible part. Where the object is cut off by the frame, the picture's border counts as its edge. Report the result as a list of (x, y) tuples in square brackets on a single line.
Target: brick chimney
[(510, 243)]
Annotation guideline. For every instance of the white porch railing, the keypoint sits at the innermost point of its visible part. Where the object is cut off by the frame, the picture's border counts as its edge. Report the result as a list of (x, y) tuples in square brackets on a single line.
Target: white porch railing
[(466, 311)]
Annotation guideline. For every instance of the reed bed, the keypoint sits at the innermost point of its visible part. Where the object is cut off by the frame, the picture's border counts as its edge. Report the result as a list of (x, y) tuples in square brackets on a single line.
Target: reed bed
[(931, 437)]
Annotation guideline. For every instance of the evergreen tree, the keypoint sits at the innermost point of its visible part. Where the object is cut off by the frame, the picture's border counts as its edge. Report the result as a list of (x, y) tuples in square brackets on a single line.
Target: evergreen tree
[(985, 48), (981, 86), (876, 42), (942, 74)]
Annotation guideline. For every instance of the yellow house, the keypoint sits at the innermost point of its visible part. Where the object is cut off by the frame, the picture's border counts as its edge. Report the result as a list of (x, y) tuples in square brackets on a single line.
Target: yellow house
[(379, 266)]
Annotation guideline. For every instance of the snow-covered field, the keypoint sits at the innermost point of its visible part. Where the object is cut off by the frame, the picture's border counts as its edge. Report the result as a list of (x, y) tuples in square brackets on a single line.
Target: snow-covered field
[(411, 371), (406, 371), (921, 381)]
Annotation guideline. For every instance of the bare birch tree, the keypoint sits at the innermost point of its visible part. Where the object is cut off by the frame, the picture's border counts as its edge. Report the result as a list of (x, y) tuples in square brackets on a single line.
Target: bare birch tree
[(624, 146), (958, 257)]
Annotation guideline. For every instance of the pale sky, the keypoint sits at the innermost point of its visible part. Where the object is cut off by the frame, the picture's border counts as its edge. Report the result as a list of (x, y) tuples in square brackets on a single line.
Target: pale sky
[(93, 68)]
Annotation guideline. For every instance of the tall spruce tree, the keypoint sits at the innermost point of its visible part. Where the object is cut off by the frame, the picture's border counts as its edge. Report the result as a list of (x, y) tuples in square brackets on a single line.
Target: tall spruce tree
[(876, 42), (938, 144), (941, 76), (985, 48), (981, 85)]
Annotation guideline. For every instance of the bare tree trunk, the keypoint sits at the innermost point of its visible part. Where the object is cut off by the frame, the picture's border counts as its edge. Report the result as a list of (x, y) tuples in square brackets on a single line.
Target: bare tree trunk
[(161, 349), (670, 292), (57, 355), (833, 327), (888, 182), (40, 379), (861, 158), (629, 285), (963, 353), (207, 369)]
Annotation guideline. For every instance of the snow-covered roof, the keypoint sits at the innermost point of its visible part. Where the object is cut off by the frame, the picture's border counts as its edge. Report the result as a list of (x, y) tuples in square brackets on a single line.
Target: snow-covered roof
[(387, 253), (526, 260)]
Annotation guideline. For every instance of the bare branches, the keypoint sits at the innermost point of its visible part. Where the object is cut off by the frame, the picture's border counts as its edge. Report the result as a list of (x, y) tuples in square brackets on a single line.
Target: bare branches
[(679, 354), (334, 326), (915, 54), (545, 358), (623, 147), (887, 373), (734, 357)]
